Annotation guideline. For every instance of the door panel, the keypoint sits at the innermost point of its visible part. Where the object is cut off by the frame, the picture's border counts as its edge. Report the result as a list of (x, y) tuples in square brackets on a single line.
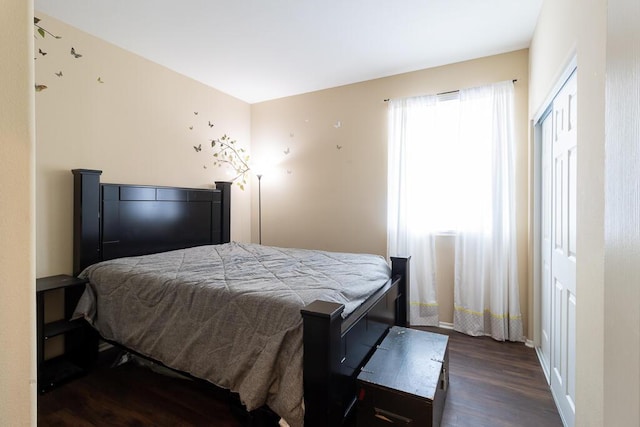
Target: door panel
[(571, 352), (558, 195), (556, 350), (572, 176)]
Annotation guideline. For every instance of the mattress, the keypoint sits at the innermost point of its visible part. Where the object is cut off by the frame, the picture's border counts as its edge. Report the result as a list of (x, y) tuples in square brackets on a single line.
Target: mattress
[(229, 314)]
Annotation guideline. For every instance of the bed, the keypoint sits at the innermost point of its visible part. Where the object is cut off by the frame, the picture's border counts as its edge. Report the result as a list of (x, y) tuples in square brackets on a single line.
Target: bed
[(139, 244)]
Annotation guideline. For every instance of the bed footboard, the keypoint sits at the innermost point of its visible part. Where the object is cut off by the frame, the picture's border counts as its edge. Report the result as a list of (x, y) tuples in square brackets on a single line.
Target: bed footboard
[(335, 349)]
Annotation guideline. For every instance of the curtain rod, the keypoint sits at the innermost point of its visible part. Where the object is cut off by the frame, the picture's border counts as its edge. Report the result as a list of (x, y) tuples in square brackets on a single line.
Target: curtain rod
[(451, 91)]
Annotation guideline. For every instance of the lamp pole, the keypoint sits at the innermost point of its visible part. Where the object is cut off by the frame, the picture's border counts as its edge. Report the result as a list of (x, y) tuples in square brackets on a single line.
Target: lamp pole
[(259, 208)]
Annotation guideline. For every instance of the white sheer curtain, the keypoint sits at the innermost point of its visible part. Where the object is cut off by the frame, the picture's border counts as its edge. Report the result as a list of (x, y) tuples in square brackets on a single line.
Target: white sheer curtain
[(451, 170), (486, 290), (407, 233)]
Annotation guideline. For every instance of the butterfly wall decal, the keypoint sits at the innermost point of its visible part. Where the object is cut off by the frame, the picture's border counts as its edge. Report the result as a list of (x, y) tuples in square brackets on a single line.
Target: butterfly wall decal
[(190, 127), (42, 52), (75, 54), (210, 124), (100, 80), (287, 151), (59, 74), (339, 147), (198, 148), (40, 88), (195, 113)]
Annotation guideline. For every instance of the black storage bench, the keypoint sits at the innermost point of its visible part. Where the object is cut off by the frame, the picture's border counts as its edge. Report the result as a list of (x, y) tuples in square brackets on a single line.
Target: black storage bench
[(406, 380)]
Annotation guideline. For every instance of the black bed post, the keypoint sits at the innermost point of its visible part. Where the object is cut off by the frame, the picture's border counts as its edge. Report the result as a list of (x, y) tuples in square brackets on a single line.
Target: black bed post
[(322, 322), (225, 187), (400, 266), (86, 218)]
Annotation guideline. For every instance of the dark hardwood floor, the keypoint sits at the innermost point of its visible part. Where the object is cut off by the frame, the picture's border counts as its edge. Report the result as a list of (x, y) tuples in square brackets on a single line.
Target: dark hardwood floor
[(495, 384), (491, 384)]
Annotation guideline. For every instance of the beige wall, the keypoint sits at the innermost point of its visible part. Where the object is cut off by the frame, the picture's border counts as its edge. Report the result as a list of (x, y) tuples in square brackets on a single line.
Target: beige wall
[(568, 28), (134, 127), (319, 196), (17, 280), (622, 216)]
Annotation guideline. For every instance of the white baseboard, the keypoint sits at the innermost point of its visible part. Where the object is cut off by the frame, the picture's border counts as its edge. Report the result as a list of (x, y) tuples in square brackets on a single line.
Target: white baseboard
[(545, 368), (445, 325)]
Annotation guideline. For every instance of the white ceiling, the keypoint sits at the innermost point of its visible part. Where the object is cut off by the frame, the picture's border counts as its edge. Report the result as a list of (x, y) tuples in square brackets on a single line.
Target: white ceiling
[(258, 50)]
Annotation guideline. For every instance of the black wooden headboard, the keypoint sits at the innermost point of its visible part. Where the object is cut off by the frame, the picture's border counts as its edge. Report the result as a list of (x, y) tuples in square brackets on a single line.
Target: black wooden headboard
[(114, 220)]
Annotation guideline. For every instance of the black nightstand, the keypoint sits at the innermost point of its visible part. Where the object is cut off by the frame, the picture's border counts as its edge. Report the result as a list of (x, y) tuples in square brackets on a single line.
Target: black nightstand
[(79, 347)]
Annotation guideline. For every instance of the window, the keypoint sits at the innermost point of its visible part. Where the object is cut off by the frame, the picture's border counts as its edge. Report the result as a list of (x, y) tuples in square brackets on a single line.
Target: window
[(448, 146)]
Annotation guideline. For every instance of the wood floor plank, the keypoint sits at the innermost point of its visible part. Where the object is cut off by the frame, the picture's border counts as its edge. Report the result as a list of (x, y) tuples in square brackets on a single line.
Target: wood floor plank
[(491, 384)]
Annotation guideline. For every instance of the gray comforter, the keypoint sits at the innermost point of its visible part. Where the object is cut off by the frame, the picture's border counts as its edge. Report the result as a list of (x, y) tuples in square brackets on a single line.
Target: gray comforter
[(228, 313)]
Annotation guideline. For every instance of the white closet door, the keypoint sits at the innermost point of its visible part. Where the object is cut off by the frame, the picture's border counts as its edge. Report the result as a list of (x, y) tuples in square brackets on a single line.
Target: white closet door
[(563, 250), (545, 242)]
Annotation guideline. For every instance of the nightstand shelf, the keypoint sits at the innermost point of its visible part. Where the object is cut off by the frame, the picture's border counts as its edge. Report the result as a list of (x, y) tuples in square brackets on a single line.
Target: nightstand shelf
[(60, 327), (78, 336)]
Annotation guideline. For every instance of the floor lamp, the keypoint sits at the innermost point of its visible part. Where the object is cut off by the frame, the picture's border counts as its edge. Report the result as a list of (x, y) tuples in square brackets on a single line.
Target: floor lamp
[(259, 208)]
